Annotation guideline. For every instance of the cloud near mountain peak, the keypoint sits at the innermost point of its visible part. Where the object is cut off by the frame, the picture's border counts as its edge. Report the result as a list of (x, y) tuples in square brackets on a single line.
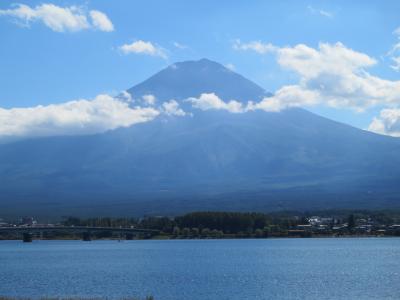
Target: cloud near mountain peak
[(104, 112)]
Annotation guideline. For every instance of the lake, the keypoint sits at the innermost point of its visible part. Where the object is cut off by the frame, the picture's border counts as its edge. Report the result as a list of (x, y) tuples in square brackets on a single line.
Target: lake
[(327, 268)]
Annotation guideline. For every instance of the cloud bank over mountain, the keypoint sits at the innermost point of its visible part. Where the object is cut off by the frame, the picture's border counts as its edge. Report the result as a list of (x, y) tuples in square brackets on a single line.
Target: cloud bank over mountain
[(332, 75), (104, 112), (72, 118)]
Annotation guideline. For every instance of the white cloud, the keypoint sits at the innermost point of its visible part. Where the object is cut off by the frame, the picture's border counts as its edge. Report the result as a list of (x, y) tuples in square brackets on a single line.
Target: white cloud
[(171, 108), (257, 46), (149, 99), (394, 52), (396, 62), (230, 66), (325, 13), (101, 21), (126, 97), (72, 118), (21, 12), (334, 58), (321, 12), (387, 123), (208, 101), (338, 74), (142, 47), (180, 46), (286, 97), (59, 19)]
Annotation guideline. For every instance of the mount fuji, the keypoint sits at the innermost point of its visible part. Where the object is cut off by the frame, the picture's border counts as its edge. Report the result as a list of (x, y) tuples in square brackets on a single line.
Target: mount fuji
[(203, 160)]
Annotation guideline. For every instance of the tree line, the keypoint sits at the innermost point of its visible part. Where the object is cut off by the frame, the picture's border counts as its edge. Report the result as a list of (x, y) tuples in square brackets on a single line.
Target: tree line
[(226, 222), (235, 224)]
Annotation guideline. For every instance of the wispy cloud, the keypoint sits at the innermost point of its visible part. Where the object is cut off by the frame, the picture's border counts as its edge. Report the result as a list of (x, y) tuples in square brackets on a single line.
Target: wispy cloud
[(59, 19), (320, 12), (180, 46), (256, 46), (394, 52), (142, 47)]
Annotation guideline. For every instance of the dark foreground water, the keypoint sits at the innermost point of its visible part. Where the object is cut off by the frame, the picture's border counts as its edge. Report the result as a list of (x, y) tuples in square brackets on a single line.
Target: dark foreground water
[(347, 268)]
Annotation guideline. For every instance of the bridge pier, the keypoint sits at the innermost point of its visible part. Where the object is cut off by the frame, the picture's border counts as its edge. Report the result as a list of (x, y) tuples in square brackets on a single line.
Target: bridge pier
[(86, 237), (129, 236), (27, 237)]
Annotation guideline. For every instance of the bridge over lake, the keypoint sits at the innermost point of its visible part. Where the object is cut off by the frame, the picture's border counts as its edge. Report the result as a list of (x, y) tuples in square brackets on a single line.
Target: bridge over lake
[(27, 232)]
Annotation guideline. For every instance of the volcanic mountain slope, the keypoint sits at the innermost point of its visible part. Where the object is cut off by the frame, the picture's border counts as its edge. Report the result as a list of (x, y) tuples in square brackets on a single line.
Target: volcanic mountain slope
[(192, 78), (206, 160)]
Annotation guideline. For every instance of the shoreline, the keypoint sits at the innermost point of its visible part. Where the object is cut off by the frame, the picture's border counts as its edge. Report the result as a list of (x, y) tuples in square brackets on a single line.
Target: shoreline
[(223, 238)]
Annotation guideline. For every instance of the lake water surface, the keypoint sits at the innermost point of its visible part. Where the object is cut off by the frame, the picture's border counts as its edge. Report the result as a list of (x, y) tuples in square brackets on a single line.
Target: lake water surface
[(346, 268)]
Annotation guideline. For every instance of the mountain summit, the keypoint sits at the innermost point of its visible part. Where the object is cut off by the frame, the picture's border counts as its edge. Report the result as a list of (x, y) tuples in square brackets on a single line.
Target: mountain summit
[(209, 160), (191, 78)]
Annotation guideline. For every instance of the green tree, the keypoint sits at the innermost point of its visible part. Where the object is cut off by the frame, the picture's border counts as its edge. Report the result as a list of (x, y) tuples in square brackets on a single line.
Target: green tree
[(351, 223), (176, 231), (195, 231), (205, 232), (259, 233), (186, 232), (266, 231)]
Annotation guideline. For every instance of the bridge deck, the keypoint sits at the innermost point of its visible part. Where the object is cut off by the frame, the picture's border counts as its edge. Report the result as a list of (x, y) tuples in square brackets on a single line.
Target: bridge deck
[(76, 229)]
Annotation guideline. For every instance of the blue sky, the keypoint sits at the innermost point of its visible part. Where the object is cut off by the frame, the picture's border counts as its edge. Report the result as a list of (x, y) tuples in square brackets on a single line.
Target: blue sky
[(41, 65)]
